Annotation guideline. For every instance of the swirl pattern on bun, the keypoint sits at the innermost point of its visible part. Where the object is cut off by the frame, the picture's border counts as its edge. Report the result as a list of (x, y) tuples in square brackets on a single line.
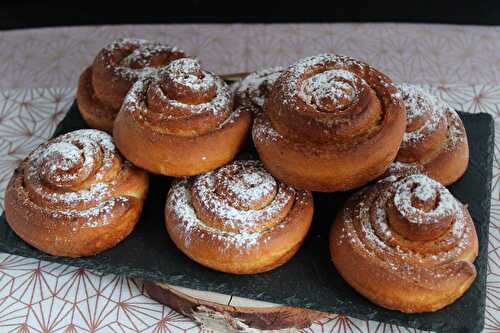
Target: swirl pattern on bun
[(238, 218), (75, 195), (406, 244), (435, 137), (181, 121), (330, 123), (103, 85)]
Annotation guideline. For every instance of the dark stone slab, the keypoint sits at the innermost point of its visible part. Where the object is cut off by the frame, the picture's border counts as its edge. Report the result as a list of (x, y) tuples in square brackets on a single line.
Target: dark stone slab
[(309, 280)]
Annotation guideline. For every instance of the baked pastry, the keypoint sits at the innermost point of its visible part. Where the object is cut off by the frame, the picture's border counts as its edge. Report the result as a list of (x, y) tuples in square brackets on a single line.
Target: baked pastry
[(435, 136), (330, 123), (400, 169), (181, 121), (238, 219), (253, 90), (75, 195), (103, 85), (406, 244)]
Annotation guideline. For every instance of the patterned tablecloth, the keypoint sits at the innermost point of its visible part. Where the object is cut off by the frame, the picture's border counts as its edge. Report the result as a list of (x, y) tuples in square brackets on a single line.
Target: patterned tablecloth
[(39, 70)]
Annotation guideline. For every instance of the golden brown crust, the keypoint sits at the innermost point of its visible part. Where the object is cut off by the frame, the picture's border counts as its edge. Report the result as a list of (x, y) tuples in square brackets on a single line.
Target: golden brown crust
[(331, 123), (435, 136), (406, 244), (103, 86), (181, 127), (238, 219), (75, 196), (96, 114)]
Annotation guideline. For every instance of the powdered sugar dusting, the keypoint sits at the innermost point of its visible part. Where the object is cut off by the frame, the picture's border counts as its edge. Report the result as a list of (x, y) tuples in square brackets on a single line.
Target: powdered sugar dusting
[(59, 158), (327, 95), (338, 86), (456, 131), (187, 72), (424, 188), (179, 201), (367, 226), (295, 72), (418, 104), (427, 116), (130, 58), (399, 169), (255, 87), (71, 174), (263, 131), (248, 185), (216, 105), (249, 217), (182, 72), (242, 195), (424, 191), (150, 46)]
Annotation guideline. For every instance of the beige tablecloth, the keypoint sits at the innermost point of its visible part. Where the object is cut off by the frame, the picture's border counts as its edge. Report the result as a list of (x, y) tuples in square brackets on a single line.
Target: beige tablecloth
[(39, 70)]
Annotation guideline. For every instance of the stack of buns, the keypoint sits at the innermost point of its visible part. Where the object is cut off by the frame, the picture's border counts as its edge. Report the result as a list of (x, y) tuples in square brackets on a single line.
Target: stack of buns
[(326, 123)]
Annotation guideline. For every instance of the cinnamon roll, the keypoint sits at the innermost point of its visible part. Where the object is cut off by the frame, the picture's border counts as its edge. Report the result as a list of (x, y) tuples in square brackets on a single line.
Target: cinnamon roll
[(254, 88), (75, 195), (103, 85), (330, 123), (435, 137), (406, 244), (181, 121), (238, 219)]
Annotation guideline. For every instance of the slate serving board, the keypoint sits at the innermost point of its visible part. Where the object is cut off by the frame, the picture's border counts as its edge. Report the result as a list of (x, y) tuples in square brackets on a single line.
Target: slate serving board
[(309, 280)]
